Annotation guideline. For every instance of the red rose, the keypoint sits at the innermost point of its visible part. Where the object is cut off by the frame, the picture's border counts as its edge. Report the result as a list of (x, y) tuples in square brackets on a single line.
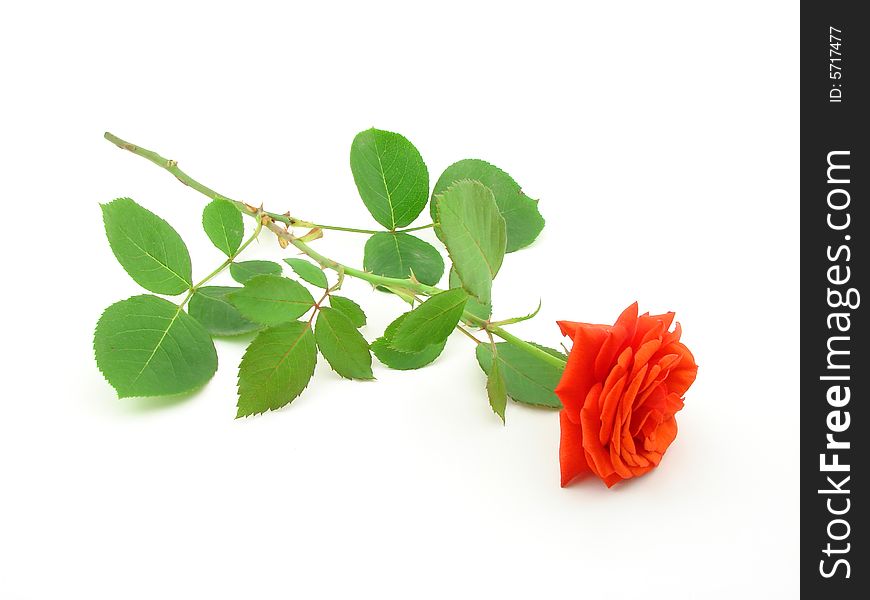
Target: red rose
[(620, 390)]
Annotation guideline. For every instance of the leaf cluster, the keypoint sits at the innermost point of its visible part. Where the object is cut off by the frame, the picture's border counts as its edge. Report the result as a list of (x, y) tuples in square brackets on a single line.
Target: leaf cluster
[(149, 345)]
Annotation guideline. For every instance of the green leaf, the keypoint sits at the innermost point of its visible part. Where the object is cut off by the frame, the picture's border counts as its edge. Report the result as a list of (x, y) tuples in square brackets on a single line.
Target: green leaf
[(276, 368), (243, 271), (478, 309), (390, 175), (346, 351), (495, 389), (308, 272), (212, 308), (400, 254), (474, 233), (522, 218), (404, 361), (351, 309), (270, 299), (148, 346), (148, 248), (430, 323), (223, 225), (528, 379)]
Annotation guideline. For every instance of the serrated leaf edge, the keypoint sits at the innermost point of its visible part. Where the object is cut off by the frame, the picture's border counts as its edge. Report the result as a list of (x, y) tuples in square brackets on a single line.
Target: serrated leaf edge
[(305, 387), (337, 337)]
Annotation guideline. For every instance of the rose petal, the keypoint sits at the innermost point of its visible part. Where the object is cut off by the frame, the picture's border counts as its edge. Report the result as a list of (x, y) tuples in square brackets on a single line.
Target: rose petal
[(673, 404), (671, 337), (669, 360), (666, 318), (664, 434), (628, 319), (616, 342), (609, 403), (626, 402), (590, 421), (644, 353), (651, 327), (618, 338), (651, 380), (578, 377), (568, 328), (611, 480), (629, 451), (618, 465), (656, 388), (653, 457), (629, 459), (638, 471), (682, 375), (572, 457), (643, 409)]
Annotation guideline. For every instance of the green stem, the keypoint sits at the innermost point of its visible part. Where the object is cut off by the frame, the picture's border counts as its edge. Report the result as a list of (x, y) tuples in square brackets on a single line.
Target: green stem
[(429, 290), (228, 261), (172, 167), (468, 334), (418, 228), (222, 266), (376, 280), (299, 223), (527, 347), (325, 262), (316, 308)]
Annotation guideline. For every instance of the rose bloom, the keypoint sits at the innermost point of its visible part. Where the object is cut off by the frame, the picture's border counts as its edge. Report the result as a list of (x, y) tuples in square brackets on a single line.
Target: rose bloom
[(620, 390)]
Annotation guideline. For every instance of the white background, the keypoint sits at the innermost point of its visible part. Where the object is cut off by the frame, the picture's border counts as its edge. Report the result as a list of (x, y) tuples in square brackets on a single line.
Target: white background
[(662, 140)]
